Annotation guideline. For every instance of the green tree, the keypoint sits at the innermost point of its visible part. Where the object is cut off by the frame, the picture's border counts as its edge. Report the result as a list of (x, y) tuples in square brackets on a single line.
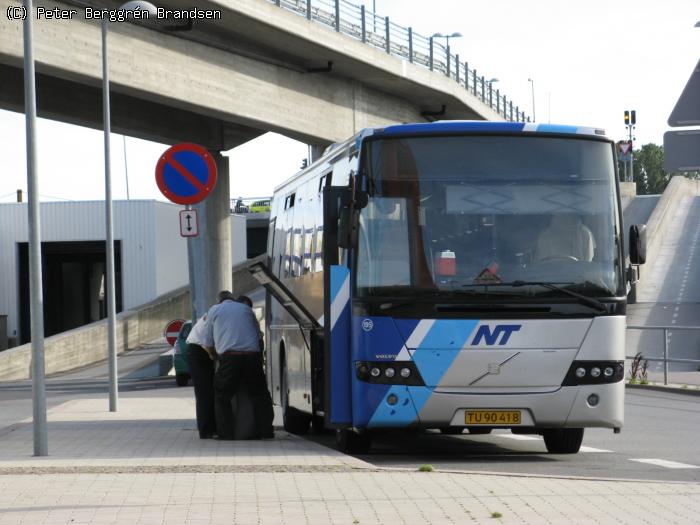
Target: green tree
[(649, 170)]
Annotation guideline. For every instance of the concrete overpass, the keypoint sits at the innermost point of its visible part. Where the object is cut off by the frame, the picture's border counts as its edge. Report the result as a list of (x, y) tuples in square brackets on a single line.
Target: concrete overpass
[(259, 68)]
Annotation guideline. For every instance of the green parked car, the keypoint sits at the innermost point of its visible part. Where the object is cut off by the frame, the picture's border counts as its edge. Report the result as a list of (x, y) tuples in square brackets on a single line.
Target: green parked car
[(182, 369)]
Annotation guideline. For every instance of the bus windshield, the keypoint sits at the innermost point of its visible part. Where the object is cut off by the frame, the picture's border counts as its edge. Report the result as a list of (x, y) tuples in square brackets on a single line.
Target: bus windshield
[(489, 215)]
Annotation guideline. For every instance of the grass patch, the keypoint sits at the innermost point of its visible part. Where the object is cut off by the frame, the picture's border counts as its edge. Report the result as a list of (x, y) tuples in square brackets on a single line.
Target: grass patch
[(426, 468), (496, 515)]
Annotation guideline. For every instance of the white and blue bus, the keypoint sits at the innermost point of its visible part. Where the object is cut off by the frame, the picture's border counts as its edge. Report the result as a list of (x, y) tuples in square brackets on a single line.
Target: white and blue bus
[(451, 275)]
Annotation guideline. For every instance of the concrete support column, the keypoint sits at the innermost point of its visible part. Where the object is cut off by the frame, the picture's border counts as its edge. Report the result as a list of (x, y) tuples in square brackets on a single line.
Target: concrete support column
[(315, 152), (210, 253)]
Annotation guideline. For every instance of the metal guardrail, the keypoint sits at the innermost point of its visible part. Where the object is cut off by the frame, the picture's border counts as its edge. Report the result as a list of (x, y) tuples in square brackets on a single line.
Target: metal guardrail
[(665, 359), (251, 204), (380, 32)]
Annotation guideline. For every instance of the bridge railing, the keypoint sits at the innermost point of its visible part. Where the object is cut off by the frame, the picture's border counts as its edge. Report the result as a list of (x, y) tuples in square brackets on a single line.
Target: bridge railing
[(666, 359), (380, 32)]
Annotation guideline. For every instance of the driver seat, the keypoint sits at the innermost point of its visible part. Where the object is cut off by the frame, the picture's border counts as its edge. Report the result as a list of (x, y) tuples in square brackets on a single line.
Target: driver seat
[(565, 237)]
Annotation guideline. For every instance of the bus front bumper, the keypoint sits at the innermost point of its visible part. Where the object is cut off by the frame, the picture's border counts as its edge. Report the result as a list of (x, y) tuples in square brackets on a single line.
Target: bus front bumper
[(572, 407)]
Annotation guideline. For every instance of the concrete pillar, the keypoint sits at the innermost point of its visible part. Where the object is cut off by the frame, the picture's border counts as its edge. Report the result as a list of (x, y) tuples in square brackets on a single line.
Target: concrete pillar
[(315, 152), (210, 252)]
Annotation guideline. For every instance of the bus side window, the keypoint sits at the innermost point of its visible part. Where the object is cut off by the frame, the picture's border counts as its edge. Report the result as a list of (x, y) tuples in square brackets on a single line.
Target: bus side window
[(324, 181), (287, 252), (318, 254)]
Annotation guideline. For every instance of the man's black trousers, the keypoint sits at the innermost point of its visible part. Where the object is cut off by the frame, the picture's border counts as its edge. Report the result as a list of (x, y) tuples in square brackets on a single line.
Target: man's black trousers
[(202, 373), (242, 371)]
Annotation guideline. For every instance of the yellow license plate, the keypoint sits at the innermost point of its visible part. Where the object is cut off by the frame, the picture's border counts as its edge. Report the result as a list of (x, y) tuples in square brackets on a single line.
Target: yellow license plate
[(492, 417)]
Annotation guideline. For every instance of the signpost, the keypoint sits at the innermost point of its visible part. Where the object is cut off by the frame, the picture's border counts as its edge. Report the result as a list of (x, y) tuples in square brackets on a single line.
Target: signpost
[(171, 331), (189, 223), (186, 173)]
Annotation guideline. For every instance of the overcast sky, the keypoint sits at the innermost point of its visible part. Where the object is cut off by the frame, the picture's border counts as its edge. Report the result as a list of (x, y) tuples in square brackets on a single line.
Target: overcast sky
[(589, 61)]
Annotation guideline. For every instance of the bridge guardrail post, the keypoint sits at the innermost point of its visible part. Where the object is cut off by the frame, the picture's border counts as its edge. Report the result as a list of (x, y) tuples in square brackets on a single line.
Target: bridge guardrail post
[(388, 35), (308, 9), (483, 90), (364, 24), (474, 80), (466, 76), (432, 52), (410, 45), (457, 68), (337, 15)]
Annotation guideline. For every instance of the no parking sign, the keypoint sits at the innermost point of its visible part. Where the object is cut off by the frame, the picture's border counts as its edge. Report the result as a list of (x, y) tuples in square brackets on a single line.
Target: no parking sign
[(186, 173)]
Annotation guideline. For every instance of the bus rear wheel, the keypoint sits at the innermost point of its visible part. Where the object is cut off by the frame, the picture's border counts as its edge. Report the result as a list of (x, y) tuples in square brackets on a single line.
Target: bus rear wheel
[(294, 421), (351, 442), (563, 440)]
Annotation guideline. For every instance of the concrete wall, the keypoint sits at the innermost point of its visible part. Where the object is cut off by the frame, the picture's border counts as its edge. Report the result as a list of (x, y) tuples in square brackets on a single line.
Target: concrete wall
[(87, 344), (239, 238), (628, 191)]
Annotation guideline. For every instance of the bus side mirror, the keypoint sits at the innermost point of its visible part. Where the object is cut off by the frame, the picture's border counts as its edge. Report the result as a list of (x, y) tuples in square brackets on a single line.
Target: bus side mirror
[(638, 243)]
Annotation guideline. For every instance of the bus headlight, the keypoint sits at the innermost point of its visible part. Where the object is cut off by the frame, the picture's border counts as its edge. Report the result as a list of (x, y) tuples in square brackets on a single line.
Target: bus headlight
[(389, 373), (594, 373)]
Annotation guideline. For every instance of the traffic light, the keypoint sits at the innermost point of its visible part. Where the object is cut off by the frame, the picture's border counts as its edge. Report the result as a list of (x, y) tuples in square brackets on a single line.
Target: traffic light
[(627, 118), (634, 117)]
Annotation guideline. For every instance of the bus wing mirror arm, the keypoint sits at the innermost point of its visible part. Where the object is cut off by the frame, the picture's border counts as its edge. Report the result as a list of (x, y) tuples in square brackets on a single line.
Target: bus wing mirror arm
[(638, 243), (349, 218)]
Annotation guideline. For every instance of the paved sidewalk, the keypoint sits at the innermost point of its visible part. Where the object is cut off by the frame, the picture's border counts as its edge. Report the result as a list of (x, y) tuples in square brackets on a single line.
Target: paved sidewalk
[(146, 465)]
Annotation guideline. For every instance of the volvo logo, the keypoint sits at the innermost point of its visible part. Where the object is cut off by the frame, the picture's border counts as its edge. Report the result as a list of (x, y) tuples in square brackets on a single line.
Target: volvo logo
[(367, 325)]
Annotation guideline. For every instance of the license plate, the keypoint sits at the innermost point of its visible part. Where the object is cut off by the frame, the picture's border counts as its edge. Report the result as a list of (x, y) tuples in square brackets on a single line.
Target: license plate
[(492, 417)]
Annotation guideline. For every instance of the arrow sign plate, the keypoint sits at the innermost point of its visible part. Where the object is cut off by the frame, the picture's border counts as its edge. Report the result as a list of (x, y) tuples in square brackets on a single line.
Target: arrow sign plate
[(189, 223)]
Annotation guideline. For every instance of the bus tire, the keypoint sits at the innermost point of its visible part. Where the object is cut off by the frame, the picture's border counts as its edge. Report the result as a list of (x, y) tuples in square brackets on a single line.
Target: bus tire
[(294, 421), (182, 379), (451, 431), (318, 425), (563, 440), (349, 441), (479, 430)]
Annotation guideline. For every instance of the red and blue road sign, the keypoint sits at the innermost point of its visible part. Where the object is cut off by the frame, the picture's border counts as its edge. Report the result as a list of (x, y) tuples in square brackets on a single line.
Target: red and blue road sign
[(186, 173), (172, 329)]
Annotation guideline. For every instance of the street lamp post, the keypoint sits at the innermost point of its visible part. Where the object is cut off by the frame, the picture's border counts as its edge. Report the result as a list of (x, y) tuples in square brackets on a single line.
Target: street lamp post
[(447, 49), (532, 85), (139, 5)]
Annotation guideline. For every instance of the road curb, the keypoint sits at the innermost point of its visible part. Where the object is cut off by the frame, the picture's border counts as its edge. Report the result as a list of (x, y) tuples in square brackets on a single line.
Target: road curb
[(690, 391)]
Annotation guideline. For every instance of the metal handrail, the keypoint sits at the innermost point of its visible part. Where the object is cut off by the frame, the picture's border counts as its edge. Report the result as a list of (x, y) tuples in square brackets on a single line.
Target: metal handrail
[(377, 31), (665, 359)]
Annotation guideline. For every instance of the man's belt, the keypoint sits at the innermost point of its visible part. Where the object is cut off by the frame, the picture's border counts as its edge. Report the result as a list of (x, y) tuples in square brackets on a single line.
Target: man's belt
[(238, 352)]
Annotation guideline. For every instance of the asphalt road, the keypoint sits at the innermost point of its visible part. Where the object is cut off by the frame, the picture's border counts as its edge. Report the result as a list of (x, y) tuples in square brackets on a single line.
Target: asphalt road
[(671, 297), (658, 442)]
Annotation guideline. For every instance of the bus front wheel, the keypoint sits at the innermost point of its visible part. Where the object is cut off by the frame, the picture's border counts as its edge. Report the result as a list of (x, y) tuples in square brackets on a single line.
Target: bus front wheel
[(563, 440), (352, 442)]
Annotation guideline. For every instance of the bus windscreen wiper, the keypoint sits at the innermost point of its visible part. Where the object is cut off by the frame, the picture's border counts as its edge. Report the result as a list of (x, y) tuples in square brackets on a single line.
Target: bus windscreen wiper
[(588, 301)]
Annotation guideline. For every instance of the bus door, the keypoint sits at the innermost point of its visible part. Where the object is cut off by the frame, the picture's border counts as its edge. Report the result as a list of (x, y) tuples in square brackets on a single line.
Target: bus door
[(336, 311)]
